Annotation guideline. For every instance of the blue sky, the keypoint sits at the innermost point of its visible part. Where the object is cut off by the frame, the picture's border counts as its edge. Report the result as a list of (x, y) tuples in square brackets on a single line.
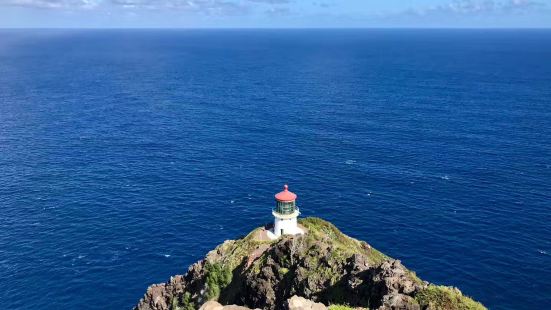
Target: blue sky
[(275, 13)]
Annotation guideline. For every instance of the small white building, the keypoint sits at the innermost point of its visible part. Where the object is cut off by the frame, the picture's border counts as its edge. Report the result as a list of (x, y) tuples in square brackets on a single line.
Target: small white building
[(285, 215)]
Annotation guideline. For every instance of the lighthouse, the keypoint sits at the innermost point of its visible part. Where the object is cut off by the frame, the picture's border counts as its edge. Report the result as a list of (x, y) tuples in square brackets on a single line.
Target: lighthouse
[(285, 214)]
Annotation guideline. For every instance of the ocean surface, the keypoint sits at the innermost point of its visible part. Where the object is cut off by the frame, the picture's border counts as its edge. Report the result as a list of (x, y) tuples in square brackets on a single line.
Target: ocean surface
[(126, 155)]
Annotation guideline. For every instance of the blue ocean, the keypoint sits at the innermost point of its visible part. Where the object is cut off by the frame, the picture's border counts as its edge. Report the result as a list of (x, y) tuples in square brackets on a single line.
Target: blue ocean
[(126, 155)]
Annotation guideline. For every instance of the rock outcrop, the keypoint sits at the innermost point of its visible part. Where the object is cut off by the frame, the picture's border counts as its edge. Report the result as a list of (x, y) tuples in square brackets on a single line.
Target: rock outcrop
[(324, 267), (293, 303), (301, 303)]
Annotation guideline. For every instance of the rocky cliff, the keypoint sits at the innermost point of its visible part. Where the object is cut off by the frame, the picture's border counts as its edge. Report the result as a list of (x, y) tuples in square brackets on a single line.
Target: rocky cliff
[(323, 268)]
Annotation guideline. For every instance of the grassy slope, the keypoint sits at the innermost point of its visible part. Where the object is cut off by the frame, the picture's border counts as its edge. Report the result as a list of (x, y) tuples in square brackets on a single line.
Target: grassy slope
[(434, 297), (344, 246), (233, 253), (443, 297)]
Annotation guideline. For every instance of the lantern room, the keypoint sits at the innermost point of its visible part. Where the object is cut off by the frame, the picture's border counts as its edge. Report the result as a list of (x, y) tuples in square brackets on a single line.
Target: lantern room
[(285, 201)]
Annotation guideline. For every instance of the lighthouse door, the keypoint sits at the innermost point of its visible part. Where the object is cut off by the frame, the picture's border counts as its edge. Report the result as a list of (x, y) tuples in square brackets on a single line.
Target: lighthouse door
[(282, 232)]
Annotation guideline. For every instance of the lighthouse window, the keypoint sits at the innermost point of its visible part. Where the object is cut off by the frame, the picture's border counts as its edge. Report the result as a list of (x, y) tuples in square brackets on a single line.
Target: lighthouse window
[(285, 207)]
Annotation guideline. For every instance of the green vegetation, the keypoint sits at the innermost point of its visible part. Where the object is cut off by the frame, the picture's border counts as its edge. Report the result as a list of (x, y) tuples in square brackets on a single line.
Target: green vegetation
[(218, 277), (413, 276), (338, 297), (446, 298), (187, 304), (319, 256), (344, 246), (235, 251), (175, 304), (376, 257)]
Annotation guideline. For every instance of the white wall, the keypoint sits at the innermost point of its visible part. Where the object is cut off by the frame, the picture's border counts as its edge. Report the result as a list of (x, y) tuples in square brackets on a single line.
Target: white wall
[(289, 226)]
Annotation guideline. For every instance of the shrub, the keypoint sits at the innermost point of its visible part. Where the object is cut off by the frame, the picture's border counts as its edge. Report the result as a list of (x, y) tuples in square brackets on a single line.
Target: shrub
[(446, 298), (187, 304), (218, 277), (344, 246)]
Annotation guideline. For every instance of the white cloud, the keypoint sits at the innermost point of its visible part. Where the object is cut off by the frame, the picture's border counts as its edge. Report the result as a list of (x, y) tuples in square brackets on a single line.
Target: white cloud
[(488, 7), (53, 4), (195, 5), (222, 7), (271, 1)]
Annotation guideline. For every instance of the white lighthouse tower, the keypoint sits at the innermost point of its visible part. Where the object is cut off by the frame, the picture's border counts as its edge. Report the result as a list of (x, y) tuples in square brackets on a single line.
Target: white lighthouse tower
[(285, 214)]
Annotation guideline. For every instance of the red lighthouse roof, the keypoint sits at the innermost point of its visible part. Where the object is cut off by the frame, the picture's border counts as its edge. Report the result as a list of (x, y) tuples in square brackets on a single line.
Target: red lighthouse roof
[(286, 195)]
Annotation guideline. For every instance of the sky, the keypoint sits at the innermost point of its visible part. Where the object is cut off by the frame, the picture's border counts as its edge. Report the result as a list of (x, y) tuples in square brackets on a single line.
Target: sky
[(275, 14)]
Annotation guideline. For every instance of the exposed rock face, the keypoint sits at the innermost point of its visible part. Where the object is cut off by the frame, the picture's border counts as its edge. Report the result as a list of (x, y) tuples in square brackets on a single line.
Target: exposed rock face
[(160, 296), (293, 303), (322, 267), (300, 303), (214, 305), (295, 266)]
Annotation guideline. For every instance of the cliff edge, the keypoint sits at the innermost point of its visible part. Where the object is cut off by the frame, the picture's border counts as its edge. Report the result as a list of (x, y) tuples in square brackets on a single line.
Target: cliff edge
[(321, 269)]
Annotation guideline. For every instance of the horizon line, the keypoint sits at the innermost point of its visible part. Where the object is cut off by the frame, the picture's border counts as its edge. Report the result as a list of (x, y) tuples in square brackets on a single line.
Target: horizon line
[(275, 28)]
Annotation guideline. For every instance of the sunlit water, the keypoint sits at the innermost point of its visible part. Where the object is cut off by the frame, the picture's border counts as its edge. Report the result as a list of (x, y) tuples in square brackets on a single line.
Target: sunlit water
[(126, 155)]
